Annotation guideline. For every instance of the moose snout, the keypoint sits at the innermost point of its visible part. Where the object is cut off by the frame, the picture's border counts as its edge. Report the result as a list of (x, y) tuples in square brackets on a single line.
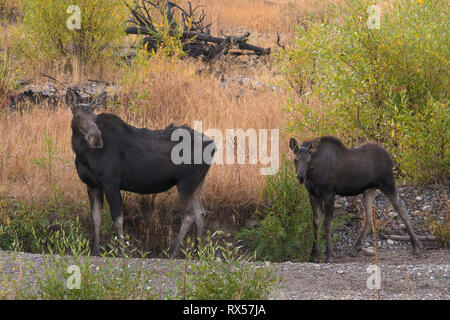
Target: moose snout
[(301, 178), (94, 139)]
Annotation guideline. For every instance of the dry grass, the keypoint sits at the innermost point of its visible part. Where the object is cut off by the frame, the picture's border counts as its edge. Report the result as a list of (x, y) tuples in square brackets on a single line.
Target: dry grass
[(263, 18)]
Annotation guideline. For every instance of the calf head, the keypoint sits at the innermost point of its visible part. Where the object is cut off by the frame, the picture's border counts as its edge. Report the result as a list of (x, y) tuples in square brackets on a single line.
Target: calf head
[(302, 156), (83, 121)]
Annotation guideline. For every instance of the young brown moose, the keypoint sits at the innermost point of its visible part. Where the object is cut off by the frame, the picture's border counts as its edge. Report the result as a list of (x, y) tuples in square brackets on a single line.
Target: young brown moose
[(111, 156), (327, 168)]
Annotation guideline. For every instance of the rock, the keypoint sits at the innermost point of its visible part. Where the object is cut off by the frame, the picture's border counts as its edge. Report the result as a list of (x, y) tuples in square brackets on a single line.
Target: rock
[(419, 198), (390, 242), (339, 271), (402, 226), (393, 214), (369, 251), (427, 208)]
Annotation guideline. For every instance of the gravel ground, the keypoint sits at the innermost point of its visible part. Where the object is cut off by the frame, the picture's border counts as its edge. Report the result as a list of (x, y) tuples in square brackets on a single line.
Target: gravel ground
[(402, 275)]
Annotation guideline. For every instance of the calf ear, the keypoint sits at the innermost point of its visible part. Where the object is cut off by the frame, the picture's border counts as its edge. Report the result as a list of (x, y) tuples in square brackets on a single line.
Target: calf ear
[(314, 146), (99, 101), (71, 98), (293, 145)]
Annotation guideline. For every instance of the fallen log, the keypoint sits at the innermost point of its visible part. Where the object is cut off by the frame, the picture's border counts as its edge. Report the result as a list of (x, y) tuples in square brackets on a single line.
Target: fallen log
[(238, 42), (407, 238), (196, 38)]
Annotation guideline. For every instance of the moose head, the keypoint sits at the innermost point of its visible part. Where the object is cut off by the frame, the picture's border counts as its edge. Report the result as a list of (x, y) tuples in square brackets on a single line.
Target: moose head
[(302, 156), (83, 121)]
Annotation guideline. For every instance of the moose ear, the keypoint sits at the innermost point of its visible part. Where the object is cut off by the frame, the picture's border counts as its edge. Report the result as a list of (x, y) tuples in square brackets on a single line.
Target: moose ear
[(99, 101), (72, 98), (293, 145), (314, 146)]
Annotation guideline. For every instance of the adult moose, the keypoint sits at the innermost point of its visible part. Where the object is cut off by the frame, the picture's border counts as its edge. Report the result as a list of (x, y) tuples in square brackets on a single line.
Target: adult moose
[(111, 155), (327, 168)]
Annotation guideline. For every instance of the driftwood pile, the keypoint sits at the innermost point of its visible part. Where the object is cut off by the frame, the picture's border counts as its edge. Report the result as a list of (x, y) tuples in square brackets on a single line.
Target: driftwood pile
[(50, 94), (194, 33)]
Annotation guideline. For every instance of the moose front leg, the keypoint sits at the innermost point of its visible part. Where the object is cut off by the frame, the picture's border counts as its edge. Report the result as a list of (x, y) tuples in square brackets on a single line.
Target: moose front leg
[(316, 205), (96, 201), (328, 208)]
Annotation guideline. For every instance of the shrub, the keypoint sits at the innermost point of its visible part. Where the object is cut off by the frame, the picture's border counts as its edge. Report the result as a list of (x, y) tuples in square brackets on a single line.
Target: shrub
[(48, 37), (209, 277), (9, 76), (285, 231), (102, 281), (32, 229), (222, 272), (385, 85)]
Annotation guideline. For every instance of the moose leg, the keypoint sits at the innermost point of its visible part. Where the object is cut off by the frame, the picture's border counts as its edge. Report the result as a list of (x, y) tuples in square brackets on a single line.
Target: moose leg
[(316, 205), (188, 220), (368, 197), (401, 209), (328, 208), (199, 218), (96, 201), (115, 204)]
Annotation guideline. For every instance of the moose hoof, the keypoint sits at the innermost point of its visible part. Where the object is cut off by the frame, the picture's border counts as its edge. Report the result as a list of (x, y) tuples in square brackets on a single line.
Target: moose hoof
[(172, 252), (354, 253), (329, 260)]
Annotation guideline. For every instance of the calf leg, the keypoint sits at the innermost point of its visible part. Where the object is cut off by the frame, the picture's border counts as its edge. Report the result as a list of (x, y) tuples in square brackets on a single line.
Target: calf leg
[(401, 209), (96, 201), (115, 204), (316, 205), (368, 197), (328, 208)]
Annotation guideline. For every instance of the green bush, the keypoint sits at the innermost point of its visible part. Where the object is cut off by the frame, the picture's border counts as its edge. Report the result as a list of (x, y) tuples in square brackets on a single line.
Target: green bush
[(229, 277), (385, 85), (222, 272), (104, 281), (285, 231), (27, 228), (49, 38)]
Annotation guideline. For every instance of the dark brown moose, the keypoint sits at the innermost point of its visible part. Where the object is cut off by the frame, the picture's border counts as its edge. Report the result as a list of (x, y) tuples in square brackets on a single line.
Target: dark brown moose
[(327, 168), (111, 155)]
